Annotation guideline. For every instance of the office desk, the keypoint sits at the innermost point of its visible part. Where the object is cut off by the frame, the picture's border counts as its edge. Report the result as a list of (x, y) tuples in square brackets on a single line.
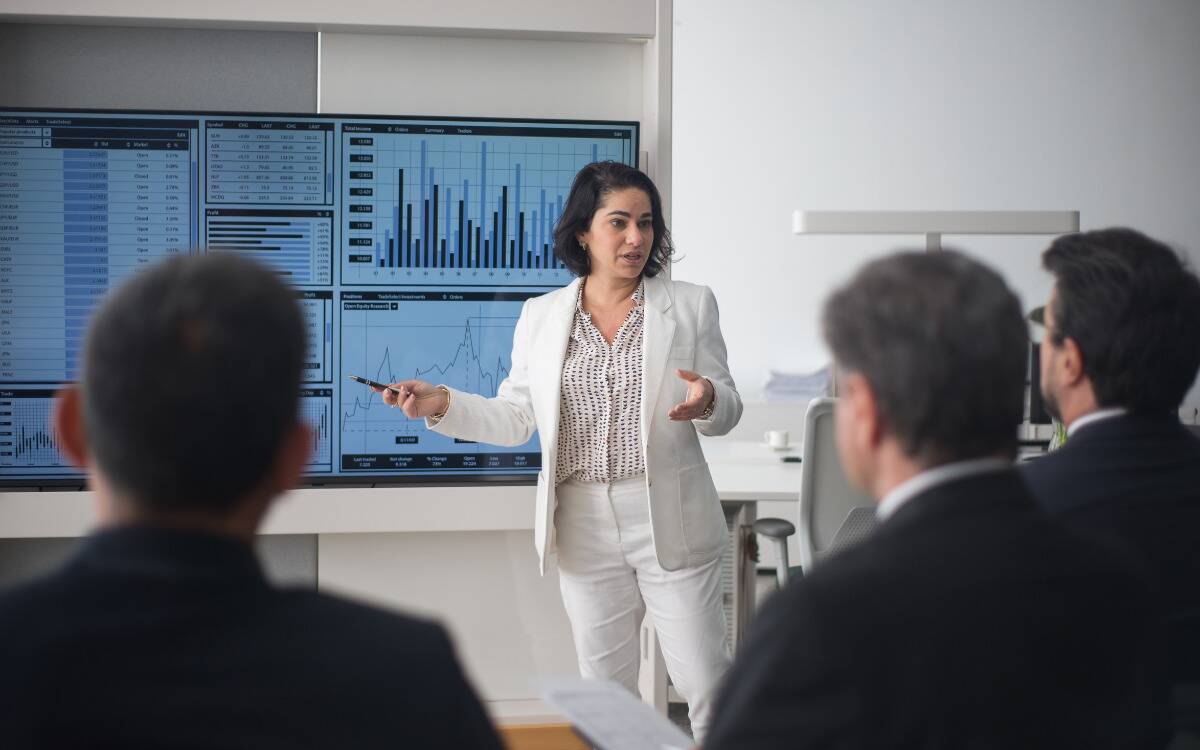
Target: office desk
[(752, 471)]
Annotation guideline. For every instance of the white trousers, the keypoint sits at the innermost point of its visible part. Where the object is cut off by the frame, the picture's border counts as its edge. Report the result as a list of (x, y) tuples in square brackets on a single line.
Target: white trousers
[(610, 577)]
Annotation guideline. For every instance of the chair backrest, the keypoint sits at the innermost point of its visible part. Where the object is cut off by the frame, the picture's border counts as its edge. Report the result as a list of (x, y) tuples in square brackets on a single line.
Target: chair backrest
[(833, 514)]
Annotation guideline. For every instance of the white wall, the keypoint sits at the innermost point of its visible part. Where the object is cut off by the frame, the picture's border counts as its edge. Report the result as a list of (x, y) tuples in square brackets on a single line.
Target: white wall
[(953, 104), (507, 623), (421, 75)]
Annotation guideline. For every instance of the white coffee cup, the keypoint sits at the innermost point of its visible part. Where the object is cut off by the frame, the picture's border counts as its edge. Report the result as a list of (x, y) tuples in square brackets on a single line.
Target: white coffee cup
[(776, 438)]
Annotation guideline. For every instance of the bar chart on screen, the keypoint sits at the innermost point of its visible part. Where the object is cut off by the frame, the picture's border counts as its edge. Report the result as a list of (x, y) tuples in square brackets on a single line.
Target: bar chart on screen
[(296, 244), (28, 444), (315, 407), (461, 204)]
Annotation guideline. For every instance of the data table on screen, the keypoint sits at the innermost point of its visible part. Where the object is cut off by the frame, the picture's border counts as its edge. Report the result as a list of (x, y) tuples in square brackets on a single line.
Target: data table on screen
[(83, 206), (269, 162), (317, 309)]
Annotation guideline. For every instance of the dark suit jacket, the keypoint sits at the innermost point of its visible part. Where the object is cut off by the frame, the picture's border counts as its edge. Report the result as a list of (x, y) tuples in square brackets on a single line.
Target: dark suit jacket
[(968, 620), (1136, 479), (151, 638)]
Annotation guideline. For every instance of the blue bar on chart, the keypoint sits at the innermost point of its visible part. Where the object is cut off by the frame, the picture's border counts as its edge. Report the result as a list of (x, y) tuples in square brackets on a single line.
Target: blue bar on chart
[(296, 243)]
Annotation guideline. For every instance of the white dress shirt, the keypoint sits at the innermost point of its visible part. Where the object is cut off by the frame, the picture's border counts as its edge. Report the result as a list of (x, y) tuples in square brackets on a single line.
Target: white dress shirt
[(1092, 417), (930, 478)]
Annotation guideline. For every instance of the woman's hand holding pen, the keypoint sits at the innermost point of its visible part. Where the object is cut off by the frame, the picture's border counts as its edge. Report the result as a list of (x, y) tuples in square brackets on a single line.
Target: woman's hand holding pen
[(700, 394), (416, 398)]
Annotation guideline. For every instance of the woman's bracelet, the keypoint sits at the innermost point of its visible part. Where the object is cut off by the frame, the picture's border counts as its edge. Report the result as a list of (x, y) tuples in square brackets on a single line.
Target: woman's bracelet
[(435, 418), (712, 405)]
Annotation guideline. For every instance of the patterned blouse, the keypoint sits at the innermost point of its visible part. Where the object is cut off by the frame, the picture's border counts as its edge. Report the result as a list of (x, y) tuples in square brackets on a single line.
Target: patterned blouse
[(599, 423)]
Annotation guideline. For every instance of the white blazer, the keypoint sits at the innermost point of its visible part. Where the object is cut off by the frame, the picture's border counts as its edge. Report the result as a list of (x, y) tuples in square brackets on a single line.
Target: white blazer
[(681, 330)]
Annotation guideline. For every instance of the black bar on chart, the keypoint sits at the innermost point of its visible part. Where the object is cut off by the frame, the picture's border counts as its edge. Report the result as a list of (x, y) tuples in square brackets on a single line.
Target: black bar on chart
[(399, 231), (433, 231)]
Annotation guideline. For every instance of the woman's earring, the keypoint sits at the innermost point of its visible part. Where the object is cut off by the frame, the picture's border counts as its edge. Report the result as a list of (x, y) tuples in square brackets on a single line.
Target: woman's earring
[(584, 246)]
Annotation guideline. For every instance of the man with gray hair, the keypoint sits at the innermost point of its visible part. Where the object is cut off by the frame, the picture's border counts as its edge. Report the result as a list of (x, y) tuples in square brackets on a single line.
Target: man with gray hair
[(968, 619), (162, 631)]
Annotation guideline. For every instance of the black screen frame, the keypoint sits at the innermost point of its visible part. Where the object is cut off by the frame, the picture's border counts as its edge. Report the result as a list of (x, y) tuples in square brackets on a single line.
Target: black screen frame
[(396, 480)]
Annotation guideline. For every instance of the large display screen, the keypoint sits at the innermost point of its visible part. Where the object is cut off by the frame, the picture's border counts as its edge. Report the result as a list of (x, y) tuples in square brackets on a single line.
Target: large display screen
[(412, 243)]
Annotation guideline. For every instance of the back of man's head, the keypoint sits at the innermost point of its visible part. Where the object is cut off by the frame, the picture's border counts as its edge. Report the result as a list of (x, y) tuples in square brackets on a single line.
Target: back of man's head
[(942, 343), (1133, 309), (191, 382)]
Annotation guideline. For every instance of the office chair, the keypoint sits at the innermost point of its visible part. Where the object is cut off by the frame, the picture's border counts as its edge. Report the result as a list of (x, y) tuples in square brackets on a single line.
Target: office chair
[(833, 515)]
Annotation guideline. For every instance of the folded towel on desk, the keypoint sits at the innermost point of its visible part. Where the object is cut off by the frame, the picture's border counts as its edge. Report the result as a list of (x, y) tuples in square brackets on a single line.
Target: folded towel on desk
[(796, 386)]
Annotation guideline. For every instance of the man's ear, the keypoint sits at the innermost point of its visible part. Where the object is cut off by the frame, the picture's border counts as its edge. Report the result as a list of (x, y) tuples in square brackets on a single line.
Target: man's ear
[(1070, 364), (858, 395), (68, 425)]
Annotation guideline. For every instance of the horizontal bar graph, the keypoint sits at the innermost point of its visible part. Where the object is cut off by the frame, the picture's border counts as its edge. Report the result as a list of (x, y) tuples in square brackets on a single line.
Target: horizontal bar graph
[(297, 245)]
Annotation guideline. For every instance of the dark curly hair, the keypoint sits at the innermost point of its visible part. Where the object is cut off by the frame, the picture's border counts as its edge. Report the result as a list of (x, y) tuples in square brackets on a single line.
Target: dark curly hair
[(593, 183)]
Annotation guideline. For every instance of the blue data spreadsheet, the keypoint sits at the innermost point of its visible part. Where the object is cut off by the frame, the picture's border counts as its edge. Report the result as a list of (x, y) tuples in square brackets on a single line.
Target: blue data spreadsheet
[(412, 244)]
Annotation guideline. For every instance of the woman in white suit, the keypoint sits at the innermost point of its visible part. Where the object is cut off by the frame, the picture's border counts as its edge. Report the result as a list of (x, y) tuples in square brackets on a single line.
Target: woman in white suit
[(618, 372)]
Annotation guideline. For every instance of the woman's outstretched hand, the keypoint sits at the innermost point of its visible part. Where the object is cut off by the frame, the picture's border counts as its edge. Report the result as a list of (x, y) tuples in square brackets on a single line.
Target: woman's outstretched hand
[(700, 394), (416, 398)]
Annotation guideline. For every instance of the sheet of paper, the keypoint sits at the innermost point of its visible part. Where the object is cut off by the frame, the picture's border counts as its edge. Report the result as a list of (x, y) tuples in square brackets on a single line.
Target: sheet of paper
[(611, 718)]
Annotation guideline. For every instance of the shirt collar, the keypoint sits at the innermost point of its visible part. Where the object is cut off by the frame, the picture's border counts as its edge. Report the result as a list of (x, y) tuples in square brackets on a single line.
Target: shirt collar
[(930, 478), (1095, 416)]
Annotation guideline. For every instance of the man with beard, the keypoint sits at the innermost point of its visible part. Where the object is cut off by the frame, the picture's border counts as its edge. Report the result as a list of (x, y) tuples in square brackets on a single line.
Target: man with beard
[(1121, 350)]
